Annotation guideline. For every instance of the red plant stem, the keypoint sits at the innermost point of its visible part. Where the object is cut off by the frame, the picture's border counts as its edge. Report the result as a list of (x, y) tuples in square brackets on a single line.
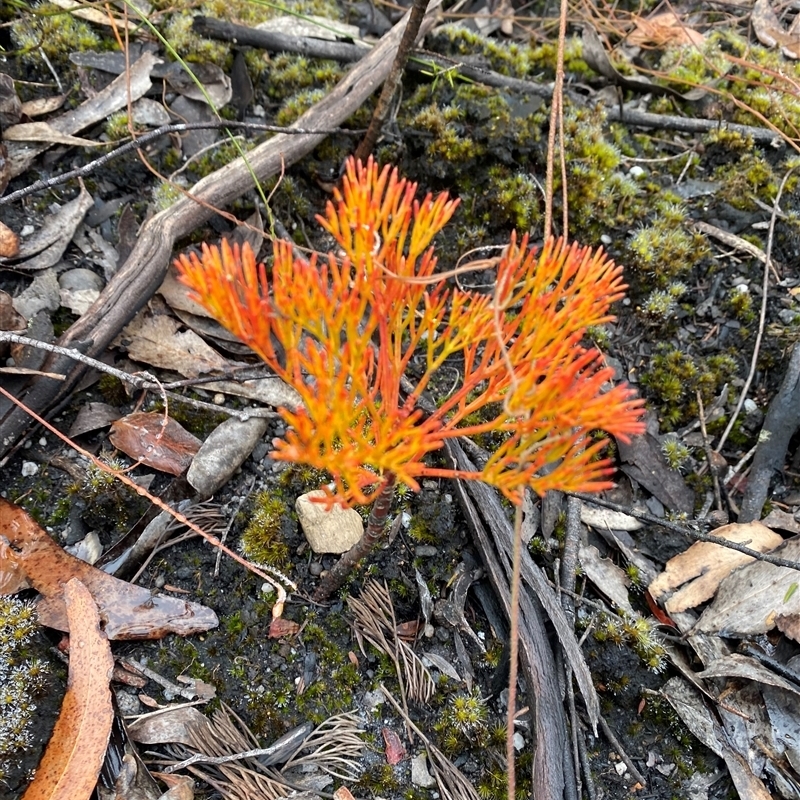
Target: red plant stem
[(513, 659), (374, 532)]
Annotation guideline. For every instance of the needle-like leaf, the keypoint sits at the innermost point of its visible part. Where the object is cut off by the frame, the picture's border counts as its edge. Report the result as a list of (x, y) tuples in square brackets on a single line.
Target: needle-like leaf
[(350, 324)]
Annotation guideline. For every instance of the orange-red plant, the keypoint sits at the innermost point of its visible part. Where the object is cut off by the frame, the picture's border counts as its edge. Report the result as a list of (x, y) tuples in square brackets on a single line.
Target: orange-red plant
[(351, 325)]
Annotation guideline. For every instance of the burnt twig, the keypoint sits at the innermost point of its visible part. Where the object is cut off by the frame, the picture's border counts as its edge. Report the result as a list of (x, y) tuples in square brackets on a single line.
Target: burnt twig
[(392, 82)]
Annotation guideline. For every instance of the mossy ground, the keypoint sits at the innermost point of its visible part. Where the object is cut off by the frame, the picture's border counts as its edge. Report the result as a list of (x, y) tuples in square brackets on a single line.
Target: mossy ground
[(488, 147)]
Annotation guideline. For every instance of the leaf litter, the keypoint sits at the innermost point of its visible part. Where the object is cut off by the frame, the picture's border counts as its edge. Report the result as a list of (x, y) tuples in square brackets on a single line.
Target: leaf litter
[(128, 611)]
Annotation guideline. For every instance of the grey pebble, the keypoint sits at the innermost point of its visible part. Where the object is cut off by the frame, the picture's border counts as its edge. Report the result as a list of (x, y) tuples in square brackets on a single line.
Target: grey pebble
[(223, 453)]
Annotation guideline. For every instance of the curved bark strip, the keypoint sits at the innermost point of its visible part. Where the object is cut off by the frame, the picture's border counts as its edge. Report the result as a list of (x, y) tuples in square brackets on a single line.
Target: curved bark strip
[(144, 270)]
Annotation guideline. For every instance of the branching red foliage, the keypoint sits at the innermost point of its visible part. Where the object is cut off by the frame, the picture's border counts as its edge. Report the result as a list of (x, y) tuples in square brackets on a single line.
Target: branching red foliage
[(350, 325)]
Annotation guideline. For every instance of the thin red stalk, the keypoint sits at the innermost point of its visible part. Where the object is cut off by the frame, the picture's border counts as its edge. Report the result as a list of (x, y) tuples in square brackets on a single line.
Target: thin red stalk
[(277, 609), (513, 651)]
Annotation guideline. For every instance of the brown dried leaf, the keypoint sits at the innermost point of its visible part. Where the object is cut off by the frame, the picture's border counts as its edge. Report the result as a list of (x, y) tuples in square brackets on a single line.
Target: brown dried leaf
[(408, 630), (177, 295), (47, 245), (596, 57), (160, 443), (705, 725), (757, 598), (129, 612), (40, 106), (93, 417), (770, 32), (609, 578), (692, 577), (216, 84), (10, 319), (71, 763), (44, 132), (98, 16), (181, 787), (644, 462), (663, 29), (281, 627), (10, 106), (156, 341), (169, 726)]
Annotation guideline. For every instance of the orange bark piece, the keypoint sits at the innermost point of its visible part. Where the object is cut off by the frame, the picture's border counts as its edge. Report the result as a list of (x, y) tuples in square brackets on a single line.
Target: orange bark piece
[(72, 760), (395, 752), (12, 573), (128, 611), (163, 445), (279, 628)]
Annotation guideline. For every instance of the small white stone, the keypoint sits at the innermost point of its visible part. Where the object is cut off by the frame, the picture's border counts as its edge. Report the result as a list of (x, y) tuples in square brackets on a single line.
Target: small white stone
[(519, 741), (636, 171), (27, 230), (43, 442), (89, 549), (419, 772), (29, 469), (333, 530), (750, 406), (606, 239), (620, 768), (373, 700)]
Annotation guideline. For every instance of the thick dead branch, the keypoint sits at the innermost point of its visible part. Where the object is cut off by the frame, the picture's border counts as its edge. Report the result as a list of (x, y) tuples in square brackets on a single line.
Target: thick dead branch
[(142, 273)]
